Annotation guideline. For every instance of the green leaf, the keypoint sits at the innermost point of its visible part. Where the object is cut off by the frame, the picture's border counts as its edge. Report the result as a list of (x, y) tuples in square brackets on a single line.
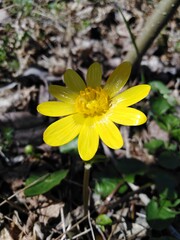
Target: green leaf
[(176, 134), (130, 166), (169, 203), (130, 178), (177, 46), (70, 147), (43, 182), (13, 64), (165, 182), (2, 55), (106, 185), (154, 145), (172, 146), (103, 220), (170, 122), (165, 196), (159, 217), (159, 86), (176, 203), (171, 100), (159, 105), (169, 160)]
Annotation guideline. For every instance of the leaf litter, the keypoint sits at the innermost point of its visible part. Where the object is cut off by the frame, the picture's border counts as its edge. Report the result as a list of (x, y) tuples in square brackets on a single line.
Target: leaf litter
[(38, 43)]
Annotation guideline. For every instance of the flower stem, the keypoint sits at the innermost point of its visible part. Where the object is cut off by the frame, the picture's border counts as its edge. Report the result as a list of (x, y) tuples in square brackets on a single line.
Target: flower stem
[(87, 168)]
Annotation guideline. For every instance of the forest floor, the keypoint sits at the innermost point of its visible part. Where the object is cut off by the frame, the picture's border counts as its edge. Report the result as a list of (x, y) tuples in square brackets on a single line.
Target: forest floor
[(39, 40)]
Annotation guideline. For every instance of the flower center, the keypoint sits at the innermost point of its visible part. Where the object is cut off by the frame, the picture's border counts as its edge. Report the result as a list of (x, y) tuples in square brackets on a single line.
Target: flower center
[(92, 102)]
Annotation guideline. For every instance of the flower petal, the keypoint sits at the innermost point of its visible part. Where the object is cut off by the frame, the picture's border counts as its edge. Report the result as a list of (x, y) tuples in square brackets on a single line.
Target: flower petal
[(127, 116), (109, 133), (55, 109), (94, 75), (62, 93), (88, 140), (63, 130), (132, 95), (73, 81), (118, 79)]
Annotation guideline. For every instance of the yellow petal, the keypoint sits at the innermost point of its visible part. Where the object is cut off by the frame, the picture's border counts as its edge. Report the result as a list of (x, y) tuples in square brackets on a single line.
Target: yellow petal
[(109, 133), (62, 93), (94, 75), (73, 81), (55, 109), (88, 140), (118, 79), (127, 116), (132, 95), (63, 130)]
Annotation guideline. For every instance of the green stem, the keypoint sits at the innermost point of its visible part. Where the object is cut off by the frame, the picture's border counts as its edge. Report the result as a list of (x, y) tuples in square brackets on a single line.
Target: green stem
[(87, 167)]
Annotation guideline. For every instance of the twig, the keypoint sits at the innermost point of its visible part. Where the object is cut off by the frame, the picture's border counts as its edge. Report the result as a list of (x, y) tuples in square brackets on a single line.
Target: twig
[(30, 185), (174, 232), (100, 232), (63, 222), (153, 26), (81, 234), (104, 207), (81, 220), (129, 30), (128, 195), (89, 221)]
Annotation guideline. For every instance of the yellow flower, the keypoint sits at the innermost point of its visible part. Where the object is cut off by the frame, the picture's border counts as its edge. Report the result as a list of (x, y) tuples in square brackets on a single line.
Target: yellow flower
[(91, 110)]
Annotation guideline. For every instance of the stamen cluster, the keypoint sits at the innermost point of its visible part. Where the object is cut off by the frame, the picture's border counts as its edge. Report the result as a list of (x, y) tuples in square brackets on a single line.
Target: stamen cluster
[(92, 102)]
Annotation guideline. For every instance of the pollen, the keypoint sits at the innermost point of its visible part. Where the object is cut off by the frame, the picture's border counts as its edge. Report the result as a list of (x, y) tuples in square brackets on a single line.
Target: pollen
[(92, 102)]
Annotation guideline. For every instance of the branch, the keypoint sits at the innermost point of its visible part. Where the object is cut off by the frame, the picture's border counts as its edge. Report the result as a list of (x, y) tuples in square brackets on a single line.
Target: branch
[(154, 24)]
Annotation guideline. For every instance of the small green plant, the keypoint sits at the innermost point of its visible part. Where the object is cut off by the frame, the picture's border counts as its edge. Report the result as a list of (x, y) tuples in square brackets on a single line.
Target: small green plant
[(7, 138), (103, 220), (161, 211), (24, 6)]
